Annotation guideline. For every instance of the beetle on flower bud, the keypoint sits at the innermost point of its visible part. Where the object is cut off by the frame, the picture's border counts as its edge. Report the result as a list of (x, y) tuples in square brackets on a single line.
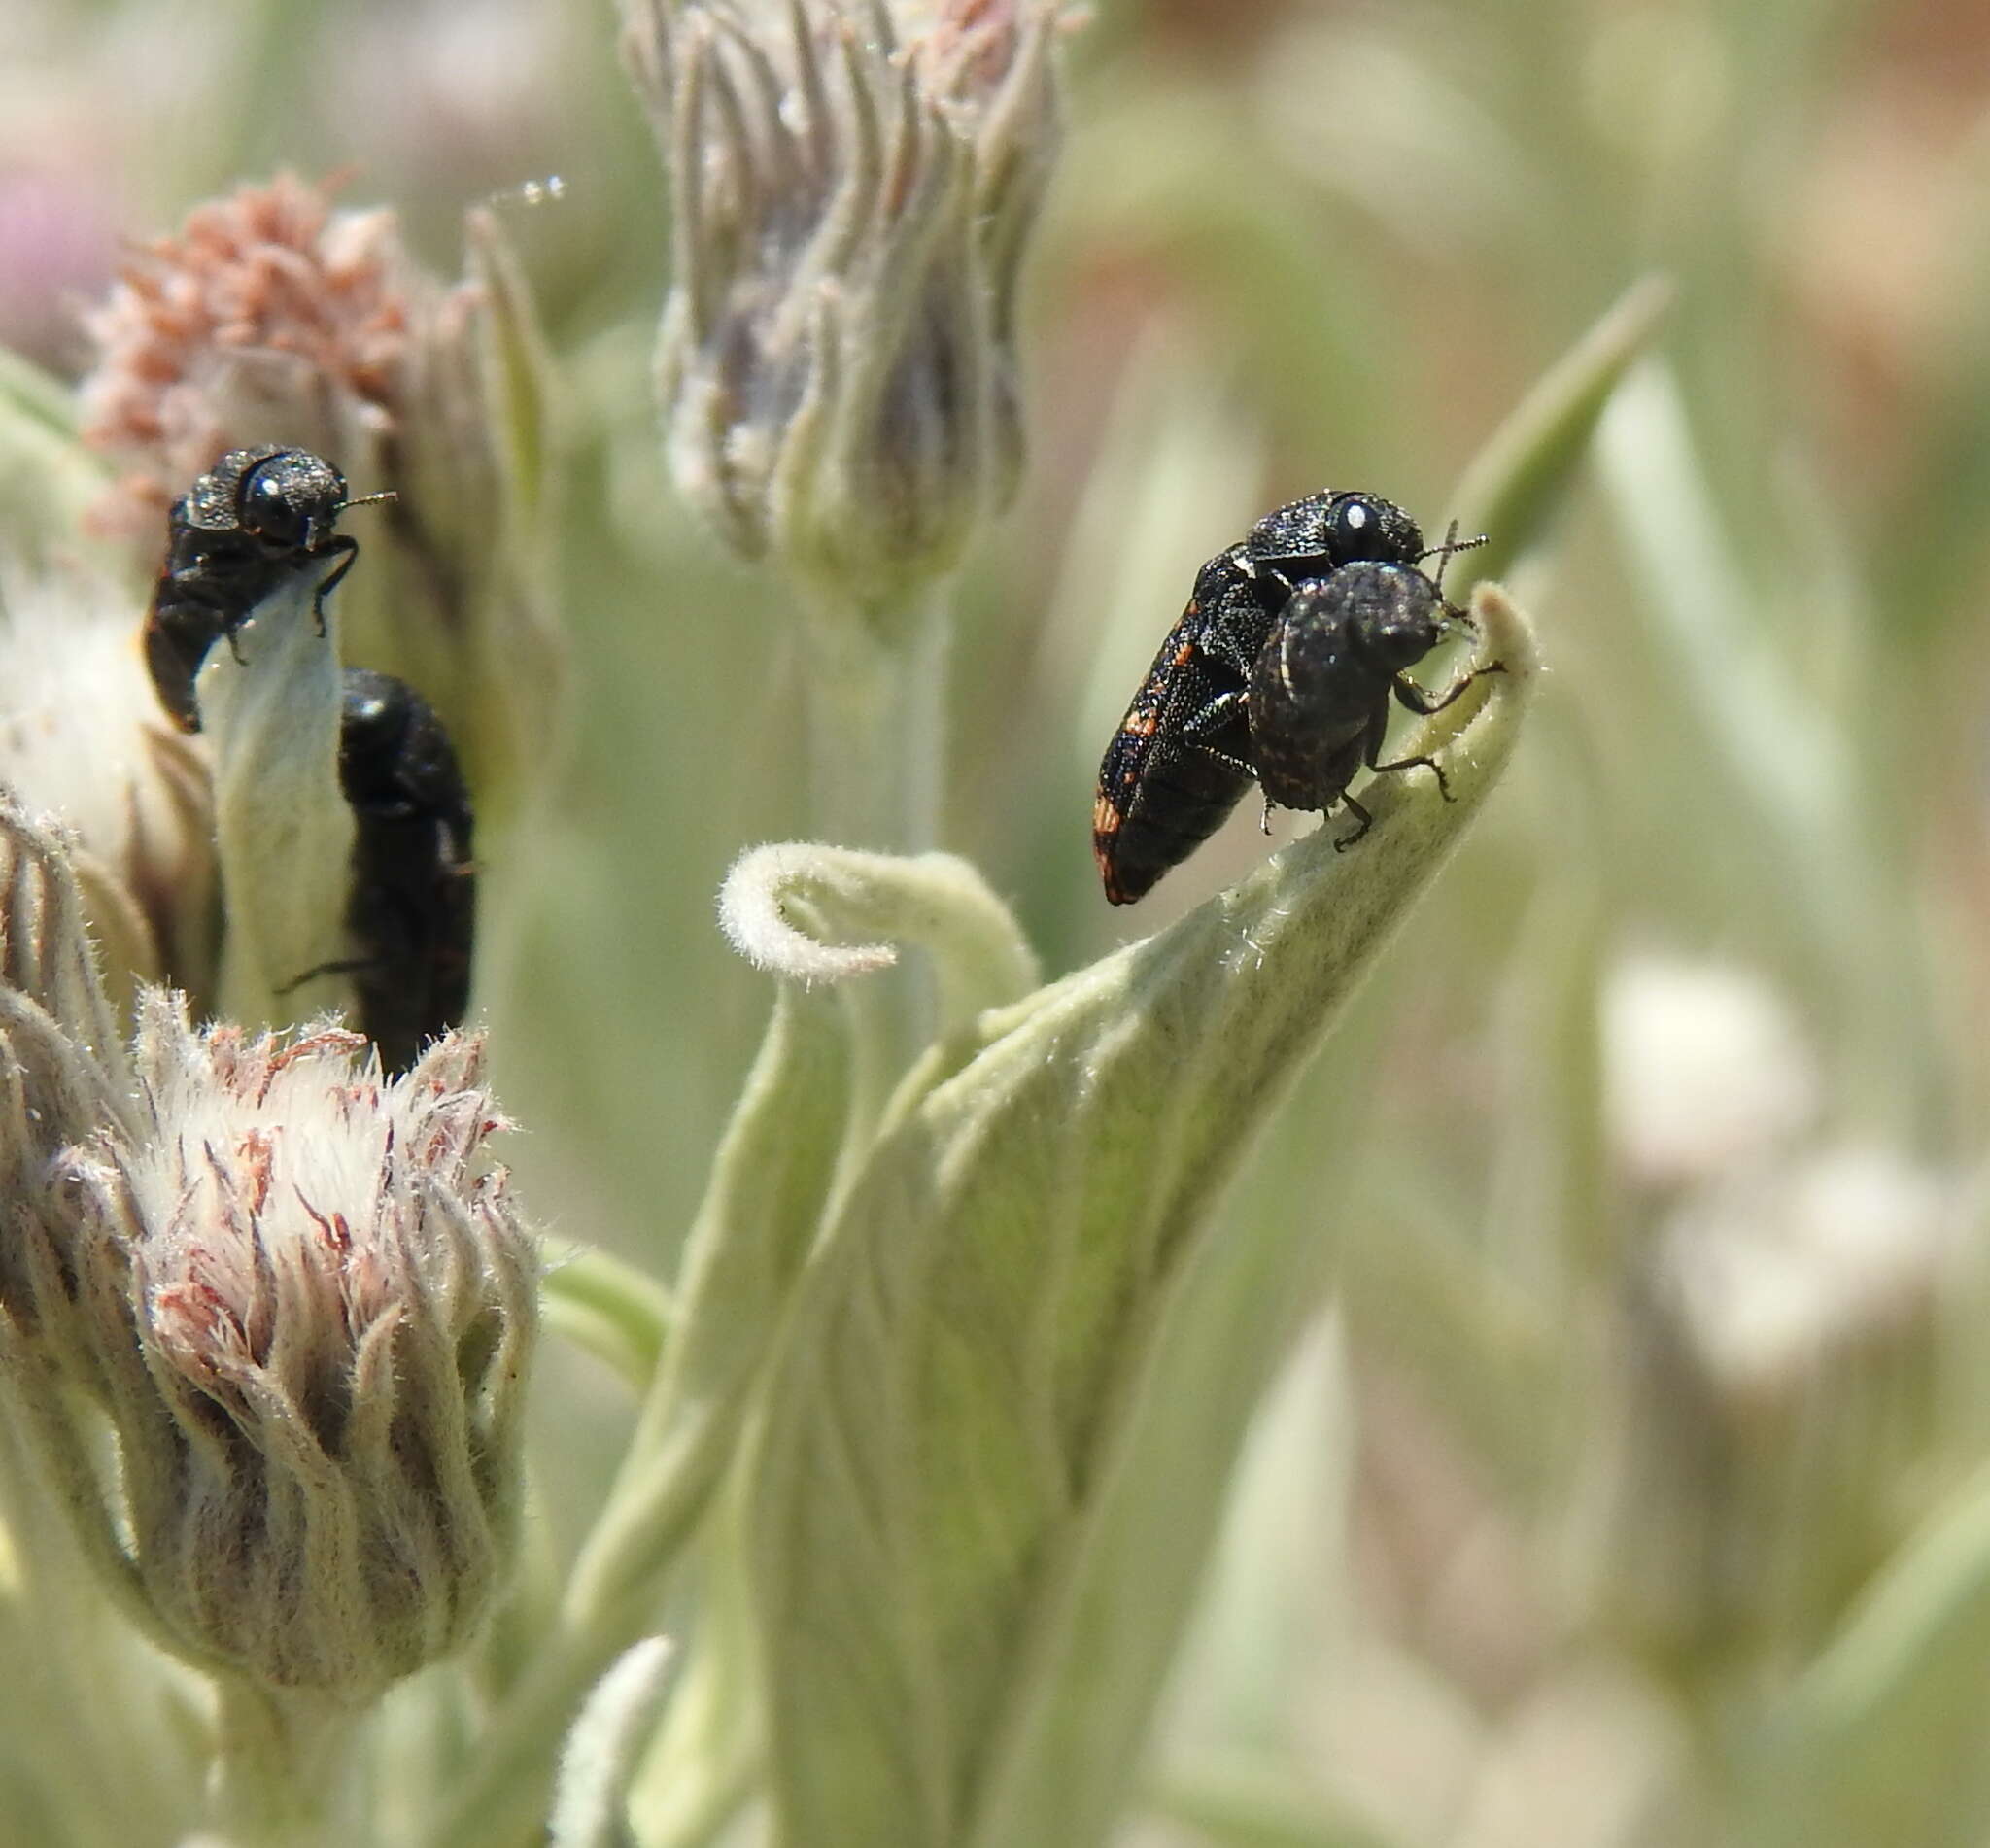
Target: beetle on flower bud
[(259, 514)]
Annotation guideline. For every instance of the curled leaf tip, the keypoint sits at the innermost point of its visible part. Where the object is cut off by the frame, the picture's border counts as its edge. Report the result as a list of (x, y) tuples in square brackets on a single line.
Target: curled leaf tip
[(605, 1746), (1504, 662), (770, 910), (1506, 637), (810, 913)]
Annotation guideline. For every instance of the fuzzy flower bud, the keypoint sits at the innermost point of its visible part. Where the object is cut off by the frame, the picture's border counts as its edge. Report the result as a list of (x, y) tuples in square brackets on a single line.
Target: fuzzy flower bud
[(852, 190), (299, 1297), (270, 317), (81, 733)]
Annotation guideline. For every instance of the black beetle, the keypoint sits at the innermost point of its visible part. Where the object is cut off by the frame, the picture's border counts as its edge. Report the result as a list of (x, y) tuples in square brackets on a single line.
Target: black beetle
[(238, 532), (411, 917), (1319, 692), (1181, 757)]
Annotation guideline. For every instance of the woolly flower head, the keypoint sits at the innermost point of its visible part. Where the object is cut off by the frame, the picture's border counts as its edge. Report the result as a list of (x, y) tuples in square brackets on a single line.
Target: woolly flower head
[(300, 1298), (1779, 1278), (265, 313)]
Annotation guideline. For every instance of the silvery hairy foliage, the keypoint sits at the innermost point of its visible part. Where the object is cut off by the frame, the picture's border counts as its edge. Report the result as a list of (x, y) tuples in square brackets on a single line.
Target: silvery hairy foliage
[(936, 1413)]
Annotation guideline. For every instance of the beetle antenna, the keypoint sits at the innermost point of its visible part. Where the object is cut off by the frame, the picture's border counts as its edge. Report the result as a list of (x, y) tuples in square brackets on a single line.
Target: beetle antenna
[(1442, 553), (366, 501)]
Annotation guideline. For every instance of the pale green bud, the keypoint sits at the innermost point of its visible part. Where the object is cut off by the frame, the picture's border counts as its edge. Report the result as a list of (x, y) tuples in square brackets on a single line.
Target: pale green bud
[(852, 190)]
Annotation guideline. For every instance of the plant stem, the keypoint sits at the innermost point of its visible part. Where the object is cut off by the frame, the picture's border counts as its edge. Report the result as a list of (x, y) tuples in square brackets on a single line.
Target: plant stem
[(277, 1777), (500, 1801), (875, 722), (877, 772)]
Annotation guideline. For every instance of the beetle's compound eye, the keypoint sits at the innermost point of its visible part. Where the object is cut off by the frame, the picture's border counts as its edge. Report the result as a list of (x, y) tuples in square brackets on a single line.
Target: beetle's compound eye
[(269, 506), (1360, 527), (1354, 519), (291, 500)]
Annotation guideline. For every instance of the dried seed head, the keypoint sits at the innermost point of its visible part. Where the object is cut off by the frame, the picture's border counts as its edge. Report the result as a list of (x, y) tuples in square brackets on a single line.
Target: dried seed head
[(301, 1299), (851, 192), (272, 318)]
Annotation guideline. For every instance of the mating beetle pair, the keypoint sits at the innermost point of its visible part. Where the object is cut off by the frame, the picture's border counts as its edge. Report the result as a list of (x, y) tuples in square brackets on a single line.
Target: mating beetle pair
[(240, 531), (1279, 672)]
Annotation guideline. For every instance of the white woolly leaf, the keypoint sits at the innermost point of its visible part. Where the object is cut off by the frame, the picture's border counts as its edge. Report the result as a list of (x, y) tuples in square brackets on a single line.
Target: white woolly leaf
[(945, 1577), (813, 913), (603, 1746), (281, 824)]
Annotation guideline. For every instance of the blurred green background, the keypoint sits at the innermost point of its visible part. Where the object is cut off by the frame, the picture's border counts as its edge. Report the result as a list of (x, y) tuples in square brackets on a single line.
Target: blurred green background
[(1525, 1554)]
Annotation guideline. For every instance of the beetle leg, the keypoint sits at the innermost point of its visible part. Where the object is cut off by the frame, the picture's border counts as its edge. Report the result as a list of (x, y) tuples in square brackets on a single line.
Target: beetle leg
[(347, 968), (1203, 731), (1229, 760), (1418, 700), (1430, 764), (348, 549), (1342, 842), (1373, 745)]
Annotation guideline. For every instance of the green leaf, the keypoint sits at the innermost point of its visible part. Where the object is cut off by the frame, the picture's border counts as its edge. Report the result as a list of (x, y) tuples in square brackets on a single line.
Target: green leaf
[(1221, 1336), (1796, 795), (32, 397), (516, 369), (1881, 1740), (707, 1766), (761, 1211), (613, 1311), (952, 1441), (48, 479), (1238, 1803), (271, 704), (1779, 746), (1516, 484)]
